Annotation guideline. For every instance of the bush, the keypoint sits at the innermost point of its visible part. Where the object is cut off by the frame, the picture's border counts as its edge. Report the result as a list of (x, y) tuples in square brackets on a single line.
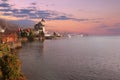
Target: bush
[(4, 48), (11, 68)]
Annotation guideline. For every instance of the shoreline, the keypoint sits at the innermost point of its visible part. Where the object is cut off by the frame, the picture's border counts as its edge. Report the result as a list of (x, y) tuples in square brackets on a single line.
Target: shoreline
[(10, 64)]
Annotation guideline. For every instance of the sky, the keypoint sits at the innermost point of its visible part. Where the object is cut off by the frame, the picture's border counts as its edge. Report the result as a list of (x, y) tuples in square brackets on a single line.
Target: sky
[(96, 17)]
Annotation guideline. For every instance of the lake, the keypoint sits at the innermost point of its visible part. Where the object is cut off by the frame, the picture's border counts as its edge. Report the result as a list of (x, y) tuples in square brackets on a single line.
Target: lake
[(76, 58)]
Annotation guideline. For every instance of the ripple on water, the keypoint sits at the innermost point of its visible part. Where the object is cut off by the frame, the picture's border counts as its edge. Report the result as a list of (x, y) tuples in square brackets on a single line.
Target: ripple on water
[(89, 58)]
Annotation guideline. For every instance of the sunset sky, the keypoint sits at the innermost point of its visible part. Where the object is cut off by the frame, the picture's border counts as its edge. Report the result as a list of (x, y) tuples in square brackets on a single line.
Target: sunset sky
[(98, 17)]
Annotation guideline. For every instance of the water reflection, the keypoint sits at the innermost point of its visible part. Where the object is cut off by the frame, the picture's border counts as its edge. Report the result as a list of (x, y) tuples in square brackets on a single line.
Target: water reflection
[(32, 49), (91, 58), (41, 48)]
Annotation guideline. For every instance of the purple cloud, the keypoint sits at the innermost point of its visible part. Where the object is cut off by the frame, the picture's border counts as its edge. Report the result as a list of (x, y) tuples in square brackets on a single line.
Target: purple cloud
[(33, 3), (5, 5), (4, 0), (113, 29), (33, 13)]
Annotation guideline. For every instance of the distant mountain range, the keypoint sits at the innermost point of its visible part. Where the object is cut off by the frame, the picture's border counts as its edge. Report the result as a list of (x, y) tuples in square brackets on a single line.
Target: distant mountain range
[(23, 23), (13, 25)]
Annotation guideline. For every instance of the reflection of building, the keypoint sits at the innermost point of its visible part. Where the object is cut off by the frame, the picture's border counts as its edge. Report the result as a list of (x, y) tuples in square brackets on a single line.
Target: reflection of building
[(41, 47)]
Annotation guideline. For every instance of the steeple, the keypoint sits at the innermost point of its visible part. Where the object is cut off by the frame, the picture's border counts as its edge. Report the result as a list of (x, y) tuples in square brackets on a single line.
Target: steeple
[(42, 20)]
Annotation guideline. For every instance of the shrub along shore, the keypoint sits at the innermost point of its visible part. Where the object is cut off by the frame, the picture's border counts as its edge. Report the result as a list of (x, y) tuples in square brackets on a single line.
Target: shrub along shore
[(10, 64)]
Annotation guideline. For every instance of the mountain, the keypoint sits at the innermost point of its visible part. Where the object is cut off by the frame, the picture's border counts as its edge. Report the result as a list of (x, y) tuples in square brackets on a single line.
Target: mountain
[(23, 23), (13, 25)]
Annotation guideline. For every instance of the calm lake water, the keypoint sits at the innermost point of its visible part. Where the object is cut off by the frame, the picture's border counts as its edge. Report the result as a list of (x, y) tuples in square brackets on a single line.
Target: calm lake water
[(76, 58)]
